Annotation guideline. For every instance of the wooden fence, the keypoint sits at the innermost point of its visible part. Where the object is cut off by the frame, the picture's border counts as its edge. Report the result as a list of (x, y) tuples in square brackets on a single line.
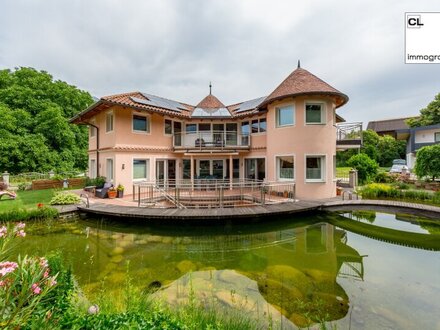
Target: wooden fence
[(47, 184)]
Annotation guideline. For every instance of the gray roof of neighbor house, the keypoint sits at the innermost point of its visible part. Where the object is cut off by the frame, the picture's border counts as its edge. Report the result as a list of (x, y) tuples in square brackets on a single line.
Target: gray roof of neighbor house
[(388, 125)]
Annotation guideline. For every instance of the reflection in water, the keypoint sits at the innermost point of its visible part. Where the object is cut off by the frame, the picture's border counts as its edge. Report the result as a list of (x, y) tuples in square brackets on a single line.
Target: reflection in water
[(295, 268)]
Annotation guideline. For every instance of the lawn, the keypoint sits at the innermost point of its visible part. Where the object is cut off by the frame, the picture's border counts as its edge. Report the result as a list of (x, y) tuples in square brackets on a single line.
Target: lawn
[(27, 199)]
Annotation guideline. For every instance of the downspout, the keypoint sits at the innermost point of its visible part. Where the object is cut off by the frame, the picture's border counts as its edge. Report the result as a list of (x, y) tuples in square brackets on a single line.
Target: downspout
[(97, 145)]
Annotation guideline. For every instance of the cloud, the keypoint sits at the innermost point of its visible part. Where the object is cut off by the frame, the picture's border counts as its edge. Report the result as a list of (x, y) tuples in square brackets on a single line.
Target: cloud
[(246, 48)]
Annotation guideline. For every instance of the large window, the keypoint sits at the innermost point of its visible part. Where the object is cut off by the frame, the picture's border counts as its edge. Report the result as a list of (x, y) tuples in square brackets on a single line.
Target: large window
[(141, 124), (259, 125), (315, 113), (92, 128), (315, 168), (285, 167), (285, 116), (168, 126), (109, 169), (190, 128), (186, 168), (109, 122), (437, 137), (140, 169), (92, 169)]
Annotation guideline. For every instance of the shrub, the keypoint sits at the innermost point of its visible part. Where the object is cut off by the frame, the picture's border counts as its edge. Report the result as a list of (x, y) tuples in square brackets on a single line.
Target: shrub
[(98, 181), (65, 199), (379, 190), (401, 185), (366, 167), (384, 177), (428, 162)]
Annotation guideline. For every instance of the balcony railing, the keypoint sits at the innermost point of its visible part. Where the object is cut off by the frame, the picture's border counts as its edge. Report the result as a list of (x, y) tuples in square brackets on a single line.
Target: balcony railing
[(211, 140), (349, 135)]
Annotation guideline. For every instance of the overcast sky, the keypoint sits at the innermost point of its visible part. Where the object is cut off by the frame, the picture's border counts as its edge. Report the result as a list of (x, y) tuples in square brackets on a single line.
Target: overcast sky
[(173, 48)]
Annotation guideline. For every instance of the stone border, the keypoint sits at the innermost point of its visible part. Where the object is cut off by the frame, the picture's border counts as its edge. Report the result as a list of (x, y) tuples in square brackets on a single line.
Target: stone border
[(383, 205)]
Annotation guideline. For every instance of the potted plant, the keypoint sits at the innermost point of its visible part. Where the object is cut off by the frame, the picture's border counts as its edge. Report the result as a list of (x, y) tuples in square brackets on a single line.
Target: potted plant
[(120, 189), (112, 192)]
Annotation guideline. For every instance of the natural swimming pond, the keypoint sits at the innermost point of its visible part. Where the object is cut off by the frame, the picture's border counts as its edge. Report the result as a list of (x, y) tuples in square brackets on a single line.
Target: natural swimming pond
[(360, 269)]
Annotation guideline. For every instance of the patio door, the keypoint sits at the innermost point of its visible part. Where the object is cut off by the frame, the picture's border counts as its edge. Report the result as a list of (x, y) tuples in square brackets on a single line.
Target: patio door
[(211, 169), (165, 171), (255, 168)]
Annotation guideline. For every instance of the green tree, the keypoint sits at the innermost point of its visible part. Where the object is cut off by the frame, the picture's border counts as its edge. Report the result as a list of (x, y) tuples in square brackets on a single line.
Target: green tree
[(366, 167), (428, 162), (428, 116), (388, 149), (370, 141), (34, 131)]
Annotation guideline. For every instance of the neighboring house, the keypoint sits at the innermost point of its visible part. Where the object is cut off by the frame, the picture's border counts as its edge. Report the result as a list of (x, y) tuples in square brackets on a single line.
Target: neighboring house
[(418, 137), (388, 126), (289, 136)]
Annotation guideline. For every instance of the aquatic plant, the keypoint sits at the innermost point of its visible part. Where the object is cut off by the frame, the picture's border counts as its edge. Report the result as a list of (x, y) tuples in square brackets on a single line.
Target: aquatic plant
[(21, 214)]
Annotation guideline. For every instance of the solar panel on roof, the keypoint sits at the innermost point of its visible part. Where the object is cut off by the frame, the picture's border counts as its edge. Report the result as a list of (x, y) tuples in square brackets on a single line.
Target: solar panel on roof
[(160, 102), (249, 105), (220, 112)]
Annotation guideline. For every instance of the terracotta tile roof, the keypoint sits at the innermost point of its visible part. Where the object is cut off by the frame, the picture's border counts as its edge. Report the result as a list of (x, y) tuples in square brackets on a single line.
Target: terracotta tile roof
[(388, 125), (210, 102), (302, 82)]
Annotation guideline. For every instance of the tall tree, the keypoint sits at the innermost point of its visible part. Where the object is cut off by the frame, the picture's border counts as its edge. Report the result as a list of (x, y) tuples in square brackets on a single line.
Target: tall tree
[(34, 131), (428, 116)]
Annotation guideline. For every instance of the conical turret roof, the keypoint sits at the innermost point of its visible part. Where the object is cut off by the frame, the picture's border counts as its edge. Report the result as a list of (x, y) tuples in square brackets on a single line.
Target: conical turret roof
[(302, 82)]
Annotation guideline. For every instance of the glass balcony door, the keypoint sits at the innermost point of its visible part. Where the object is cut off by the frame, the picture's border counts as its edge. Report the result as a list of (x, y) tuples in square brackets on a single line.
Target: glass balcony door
[(211, 169), (165, 171)]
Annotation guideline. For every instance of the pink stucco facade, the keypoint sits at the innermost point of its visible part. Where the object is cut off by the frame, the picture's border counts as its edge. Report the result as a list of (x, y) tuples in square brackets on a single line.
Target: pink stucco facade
[(294, 139)]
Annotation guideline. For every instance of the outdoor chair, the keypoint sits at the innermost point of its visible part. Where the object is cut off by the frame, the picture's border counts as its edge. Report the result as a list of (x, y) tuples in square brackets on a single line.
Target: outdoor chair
[(11, 195), (102, 192)]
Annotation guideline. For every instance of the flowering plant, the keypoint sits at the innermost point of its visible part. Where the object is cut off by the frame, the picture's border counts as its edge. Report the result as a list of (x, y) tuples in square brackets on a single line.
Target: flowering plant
[(24, 283)]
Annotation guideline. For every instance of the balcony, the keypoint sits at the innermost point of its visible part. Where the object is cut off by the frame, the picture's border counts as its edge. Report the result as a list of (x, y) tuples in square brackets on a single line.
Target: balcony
[(211, 141), (348, 136)]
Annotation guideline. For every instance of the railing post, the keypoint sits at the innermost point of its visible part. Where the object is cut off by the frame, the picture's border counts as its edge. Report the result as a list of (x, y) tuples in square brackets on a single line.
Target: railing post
[(221, 196), (139, 195), (6, 178)]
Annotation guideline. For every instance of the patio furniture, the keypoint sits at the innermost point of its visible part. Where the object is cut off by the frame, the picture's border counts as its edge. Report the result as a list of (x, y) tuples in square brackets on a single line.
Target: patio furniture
[(103, 192), (11, 195)]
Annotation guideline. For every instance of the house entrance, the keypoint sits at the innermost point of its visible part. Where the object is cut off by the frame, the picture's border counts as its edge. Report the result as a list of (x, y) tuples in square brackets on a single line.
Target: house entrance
[(255, 168), (165, 170), (211, 168)]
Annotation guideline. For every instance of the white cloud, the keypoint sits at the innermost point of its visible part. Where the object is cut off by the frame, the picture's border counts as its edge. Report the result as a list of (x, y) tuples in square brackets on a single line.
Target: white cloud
[(246, 48)]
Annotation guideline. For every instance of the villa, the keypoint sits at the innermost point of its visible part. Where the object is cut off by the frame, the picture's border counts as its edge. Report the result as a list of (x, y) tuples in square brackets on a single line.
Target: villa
[(288, 136)]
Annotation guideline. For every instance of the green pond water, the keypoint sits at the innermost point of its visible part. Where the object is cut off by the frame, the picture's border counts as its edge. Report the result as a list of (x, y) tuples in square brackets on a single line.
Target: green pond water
[(358, 270)]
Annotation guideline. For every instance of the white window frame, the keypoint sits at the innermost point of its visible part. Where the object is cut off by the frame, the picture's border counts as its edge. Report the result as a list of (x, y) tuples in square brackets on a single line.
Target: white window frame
[(172, 127), (435, 135), (109, 113), (147, 170), (92, 168), (277, 110), (323, 168), (277, 167), (323, 112), (93, 129), (113, 169), (148, 122), (258, 127)]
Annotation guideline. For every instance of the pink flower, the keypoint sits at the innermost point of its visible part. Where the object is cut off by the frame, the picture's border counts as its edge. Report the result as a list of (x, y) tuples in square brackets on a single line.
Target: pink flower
[(43, 262), (20, 225), (46, 273), (7, 267), (35, 288), (20, 233), (3, 231), (52, 282)]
